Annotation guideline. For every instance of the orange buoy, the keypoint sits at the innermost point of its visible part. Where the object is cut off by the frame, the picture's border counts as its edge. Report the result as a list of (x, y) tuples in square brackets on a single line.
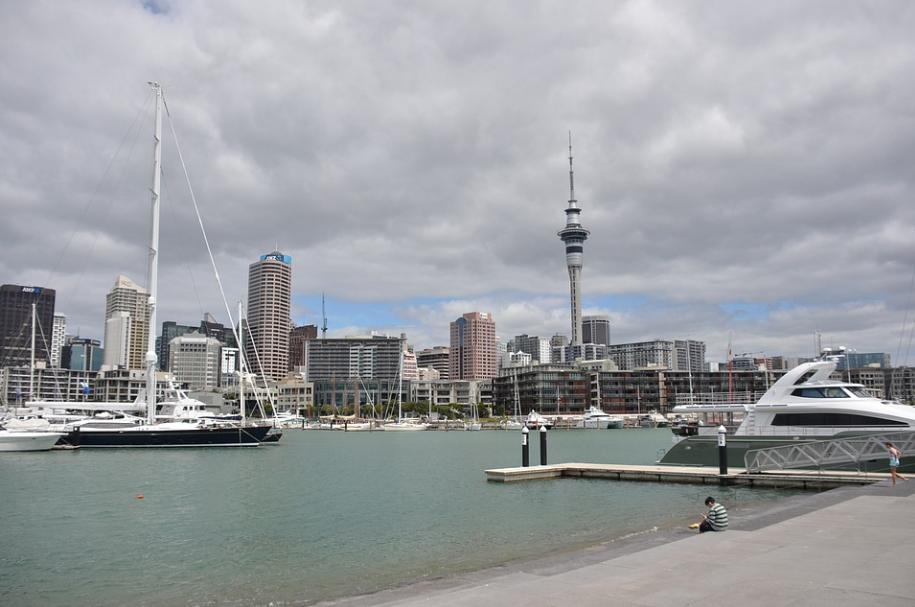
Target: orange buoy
[(139, 497)]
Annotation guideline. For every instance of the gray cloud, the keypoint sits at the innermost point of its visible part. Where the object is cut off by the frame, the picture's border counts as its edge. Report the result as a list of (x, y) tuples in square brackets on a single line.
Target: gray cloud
[(411, 157)]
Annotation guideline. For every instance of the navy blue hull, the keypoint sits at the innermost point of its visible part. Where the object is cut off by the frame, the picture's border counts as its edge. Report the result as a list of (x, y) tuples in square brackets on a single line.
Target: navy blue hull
[(249, 436)]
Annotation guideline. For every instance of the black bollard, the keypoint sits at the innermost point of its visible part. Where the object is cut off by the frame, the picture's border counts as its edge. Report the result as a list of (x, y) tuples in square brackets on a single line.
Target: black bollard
[(722, 451), (525, 448), (543, 445)]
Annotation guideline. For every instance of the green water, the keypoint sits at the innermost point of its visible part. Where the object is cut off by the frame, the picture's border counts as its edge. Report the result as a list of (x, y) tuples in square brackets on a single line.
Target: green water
[(321, 515)]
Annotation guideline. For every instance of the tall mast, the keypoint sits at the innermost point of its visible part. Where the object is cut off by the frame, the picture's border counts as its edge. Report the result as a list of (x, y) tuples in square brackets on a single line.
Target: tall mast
[(32, 360), (153, 271)]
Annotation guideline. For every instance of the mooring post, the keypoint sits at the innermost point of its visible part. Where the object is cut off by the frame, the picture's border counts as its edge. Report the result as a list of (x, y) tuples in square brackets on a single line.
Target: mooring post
[(525, 448), (722, 453), (543, 445)]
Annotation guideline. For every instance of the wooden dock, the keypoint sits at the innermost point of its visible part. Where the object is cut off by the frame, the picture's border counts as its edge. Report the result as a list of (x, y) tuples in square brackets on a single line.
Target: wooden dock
[(817, 480)]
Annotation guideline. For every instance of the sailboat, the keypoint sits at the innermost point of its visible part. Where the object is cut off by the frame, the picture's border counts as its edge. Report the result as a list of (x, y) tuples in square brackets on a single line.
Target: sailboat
[(474, 424), (187, 433), (402, 425), (515, 422)]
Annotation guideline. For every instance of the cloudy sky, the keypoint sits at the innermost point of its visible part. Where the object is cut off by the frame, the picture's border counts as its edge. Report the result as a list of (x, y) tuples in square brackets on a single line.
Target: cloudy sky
[(745, 169)]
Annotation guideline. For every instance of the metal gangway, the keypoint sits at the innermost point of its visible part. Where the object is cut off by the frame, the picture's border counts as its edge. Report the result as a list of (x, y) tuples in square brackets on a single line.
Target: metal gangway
[(826, 453)]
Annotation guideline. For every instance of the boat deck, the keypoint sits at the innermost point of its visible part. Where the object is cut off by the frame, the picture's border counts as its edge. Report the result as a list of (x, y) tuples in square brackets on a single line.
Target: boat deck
[(700, 475)]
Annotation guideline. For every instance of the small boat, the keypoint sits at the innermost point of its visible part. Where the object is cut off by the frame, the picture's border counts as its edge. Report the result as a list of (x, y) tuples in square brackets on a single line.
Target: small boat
[(27, 440), (536, 421), (595, 418)]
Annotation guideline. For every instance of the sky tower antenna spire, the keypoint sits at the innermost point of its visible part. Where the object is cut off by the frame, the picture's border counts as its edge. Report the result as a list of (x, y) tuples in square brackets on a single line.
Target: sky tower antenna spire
[(323, 319), (571, 178)]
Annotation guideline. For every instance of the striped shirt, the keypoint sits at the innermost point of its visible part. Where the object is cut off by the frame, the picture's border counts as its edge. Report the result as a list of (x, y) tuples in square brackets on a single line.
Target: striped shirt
[(718, 517)]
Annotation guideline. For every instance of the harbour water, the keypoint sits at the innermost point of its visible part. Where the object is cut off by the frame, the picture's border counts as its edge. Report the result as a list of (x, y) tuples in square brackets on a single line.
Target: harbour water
[(321, 515)]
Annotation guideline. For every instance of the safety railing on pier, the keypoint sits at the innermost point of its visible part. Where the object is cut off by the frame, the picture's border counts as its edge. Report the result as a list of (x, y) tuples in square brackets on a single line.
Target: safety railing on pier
[(826, 453)]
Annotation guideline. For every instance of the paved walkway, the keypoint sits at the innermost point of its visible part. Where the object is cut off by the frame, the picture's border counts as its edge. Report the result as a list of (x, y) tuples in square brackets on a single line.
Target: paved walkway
[(848, 547)]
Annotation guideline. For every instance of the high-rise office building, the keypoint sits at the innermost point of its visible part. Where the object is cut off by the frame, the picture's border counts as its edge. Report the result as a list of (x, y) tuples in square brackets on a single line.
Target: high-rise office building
[(297, 338), (574, 236), (595, 329), (126, 325), (58, 338), (82, 354), (16, 325), (268, 319), (436, 358), (194, 359), (473, 347)]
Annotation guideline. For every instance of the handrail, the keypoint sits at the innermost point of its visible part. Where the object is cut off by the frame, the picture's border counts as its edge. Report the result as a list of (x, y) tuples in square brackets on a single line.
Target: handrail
[(853, 449)]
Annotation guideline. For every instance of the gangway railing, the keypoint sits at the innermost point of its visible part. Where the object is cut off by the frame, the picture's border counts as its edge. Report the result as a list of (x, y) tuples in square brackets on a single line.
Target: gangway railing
[(825, 453)]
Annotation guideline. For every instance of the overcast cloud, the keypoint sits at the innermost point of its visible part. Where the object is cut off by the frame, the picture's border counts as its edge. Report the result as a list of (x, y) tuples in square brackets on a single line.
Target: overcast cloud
[(745, 168)]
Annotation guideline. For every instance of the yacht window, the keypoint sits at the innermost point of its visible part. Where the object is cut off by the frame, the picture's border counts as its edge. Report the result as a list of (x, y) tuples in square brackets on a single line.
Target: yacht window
[(809, 393), (835, 393), (860, 392), (820, 393), (832, 419)]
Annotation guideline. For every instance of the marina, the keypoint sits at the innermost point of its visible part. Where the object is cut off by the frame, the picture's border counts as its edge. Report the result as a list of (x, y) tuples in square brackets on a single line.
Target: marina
[(320, 515)]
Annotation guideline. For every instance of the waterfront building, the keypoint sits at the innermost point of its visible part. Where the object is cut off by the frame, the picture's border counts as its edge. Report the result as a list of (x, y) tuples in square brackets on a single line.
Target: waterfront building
[(58, 338), (436, 358), (595, 329), (458, 393), (266, 341), (473, 347), (662, 354), (297, 338), (194, 360), (368, 357), (295, 395), (16, 324), (574, 236), (126, 325), (549, 389)]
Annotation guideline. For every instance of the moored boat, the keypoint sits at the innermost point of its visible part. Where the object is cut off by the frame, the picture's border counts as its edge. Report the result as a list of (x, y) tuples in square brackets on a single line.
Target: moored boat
[(804, 405)]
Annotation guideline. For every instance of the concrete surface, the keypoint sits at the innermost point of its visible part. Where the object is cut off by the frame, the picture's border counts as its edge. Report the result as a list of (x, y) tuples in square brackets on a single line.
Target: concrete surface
[(849, 547)]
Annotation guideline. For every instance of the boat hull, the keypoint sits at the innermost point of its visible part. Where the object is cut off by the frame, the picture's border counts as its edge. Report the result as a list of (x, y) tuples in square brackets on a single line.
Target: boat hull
[(248, 436), (28, 441), (703, 450)]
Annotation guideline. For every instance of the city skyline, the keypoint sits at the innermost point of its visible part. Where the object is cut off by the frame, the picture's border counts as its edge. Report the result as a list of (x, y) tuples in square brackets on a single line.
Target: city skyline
[(744, 168)]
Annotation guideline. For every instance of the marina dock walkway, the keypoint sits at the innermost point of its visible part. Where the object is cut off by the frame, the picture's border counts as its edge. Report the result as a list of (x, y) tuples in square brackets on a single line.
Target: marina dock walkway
[(847, 547)]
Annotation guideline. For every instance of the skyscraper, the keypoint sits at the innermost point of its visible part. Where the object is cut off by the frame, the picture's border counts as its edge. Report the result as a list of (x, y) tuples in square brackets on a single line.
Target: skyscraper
[(574, 236), (595, 329), (473, 347), (58, 338), (126, 325), (16, 324), (269, 301)]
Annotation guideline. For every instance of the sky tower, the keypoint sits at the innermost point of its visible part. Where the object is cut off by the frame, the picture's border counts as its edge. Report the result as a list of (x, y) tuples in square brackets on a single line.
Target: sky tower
[(574, 237)]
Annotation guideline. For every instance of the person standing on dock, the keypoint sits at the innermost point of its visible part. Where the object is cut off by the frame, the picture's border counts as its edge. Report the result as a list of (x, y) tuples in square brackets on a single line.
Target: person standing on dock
[(895, 456), (716, 519)]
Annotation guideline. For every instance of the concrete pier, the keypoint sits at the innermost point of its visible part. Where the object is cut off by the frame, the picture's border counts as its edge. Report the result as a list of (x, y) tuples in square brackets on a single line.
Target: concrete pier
[(803, 479), (847, 547)]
